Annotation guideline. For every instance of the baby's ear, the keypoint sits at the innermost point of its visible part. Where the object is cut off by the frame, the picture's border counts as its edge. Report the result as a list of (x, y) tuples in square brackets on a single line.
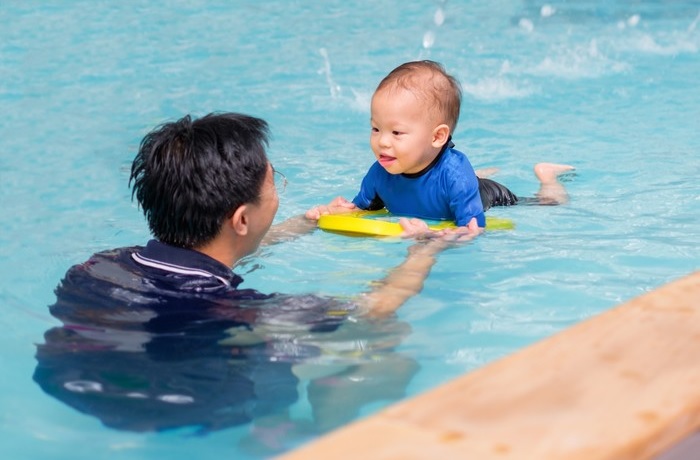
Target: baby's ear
[(440, 135)]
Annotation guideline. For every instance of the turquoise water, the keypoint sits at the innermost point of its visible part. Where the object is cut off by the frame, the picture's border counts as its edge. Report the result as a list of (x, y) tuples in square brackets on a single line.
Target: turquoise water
[(609, 87)]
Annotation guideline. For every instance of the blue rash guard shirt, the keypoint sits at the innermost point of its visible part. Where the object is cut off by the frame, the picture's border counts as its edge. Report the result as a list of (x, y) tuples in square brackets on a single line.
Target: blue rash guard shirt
[(447, 189)]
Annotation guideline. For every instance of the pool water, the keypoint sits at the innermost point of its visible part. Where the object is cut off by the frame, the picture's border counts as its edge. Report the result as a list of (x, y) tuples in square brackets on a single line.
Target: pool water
[(609, 87)]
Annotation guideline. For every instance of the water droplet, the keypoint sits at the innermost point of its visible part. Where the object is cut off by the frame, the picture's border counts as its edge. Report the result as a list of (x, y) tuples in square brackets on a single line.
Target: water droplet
[(547, 11), (526, 25), (439, 17), (428, 39)]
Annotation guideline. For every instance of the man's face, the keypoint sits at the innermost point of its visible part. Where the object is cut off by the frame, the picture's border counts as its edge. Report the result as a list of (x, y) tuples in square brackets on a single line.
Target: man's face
[(263, 213)]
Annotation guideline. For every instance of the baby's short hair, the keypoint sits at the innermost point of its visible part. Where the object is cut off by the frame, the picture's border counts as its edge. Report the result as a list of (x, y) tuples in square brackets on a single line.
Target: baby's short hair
[(429, 80)]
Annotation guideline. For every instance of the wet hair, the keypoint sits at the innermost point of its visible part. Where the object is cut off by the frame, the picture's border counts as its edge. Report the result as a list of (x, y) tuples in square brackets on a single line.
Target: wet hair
[(190, 175), (428, 80)]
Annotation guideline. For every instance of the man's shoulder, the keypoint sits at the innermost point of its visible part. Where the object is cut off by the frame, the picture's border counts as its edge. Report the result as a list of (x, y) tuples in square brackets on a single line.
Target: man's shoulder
[(101, 272), (101, 260), (115, 254)]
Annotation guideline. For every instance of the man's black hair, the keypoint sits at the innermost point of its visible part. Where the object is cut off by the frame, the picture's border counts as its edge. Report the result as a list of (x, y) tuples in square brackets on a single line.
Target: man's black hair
[(190, 175)]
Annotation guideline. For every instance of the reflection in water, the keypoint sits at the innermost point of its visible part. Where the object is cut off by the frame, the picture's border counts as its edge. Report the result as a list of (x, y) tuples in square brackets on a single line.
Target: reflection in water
[(143, 359)]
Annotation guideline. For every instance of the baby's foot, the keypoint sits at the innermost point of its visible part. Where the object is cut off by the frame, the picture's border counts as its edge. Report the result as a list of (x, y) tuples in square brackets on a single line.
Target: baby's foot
[(486, 172), (548, 172)]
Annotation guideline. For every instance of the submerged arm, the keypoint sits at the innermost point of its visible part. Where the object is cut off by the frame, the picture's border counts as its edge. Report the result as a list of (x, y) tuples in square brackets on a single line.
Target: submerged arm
[(407, 279), (290, 229), (339, 205), (402, 282), (297, 226)]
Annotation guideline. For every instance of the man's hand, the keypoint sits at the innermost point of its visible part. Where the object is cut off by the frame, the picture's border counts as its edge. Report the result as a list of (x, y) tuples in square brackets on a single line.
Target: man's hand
[(418, 229)]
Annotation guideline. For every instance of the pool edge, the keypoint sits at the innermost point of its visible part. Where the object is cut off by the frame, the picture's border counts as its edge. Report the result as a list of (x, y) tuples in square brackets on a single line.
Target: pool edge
[(622, 384)]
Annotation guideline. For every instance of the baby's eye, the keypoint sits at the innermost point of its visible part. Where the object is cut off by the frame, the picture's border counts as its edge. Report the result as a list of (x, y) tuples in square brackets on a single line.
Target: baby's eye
[(375, 130), (396, 133)]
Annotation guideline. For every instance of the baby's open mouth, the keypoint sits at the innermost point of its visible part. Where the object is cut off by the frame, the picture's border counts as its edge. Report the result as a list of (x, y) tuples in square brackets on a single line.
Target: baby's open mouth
[(386, 160)]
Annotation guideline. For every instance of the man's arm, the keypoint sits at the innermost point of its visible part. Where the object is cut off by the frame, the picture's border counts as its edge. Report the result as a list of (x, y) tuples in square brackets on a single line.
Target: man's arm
[(288, 230), (406, 280), (339, 205), (297, 226), (403, 281)]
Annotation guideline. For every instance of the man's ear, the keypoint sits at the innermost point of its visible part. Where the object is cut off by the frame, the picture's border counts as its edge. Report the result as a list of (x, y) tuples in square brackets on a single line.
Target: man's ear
[(440, 135), (239, 220)]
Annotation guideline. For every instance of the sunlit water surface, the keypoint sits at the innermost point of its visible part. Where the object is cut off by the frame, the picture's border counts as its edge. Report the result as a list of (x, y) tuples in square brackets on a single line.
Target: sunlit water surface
[(609, 87)]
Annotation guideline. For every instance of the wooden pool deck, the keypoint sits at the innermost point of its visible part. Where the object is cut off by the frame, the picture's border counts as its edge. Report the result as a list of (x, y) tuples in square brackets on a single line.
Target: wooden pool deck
[(624, 384)]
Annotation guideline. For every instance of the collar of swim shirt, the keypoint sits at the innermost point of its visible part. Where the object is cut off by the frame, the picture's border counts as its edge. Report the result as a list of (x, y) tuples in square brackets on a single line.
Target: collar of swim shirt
[(184, 262), (448, 145)]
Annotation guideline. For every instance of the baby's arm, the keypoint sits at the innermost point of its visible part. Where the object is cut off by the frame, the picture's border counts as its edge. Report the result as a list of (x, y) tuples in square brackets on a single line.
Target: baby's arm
[(338, 206), (418, 229)]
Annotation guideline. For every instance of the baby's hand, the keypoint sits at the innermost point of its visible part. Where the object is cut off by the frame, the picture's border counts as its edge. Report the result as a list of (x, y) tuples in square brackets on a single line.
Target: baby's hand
[(415, 228), (466, 233), (338, 206), (418, 229)]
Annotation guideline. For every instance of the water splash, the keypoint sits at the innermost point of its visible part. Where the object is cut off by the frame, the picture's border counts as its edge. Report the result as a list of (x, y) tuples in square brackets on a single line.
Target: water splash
[(360, 101), (526, 24), (439, 17), (326, 70), (632, 21), (438, 21), (580, 61), (497, 88), (648, 44), (547, 11), (428, 39)]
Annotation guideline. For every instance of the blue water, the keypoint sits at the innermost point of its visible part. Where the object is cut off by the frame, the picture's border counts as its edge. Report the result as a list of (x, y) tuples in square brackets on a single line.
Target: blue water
[(609, 87)]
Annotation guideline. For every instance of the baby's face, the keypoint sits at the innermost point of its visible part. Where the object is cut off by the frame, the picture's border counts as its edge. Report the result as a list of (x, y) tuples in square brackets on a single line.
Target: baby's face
[(402, 137)]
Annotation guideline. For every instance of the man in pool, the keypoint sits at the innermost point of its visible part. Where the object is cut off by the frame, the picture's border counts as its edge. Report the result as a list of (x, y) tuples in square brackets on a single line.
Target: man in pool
[(208, 193), (176, 308), (418, 172)]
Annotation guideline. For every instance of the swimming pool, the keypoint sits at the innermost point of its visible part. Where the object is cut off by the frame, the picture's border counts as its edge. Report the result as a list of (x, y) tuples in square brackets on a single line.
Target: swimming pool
[(609, 87)]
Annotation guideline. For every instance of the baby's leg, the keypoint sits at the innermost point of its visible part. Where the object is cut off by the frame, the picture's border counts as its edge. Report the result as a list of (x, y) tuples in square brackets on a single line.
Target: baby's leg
[(551, 191), (483, 173)]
